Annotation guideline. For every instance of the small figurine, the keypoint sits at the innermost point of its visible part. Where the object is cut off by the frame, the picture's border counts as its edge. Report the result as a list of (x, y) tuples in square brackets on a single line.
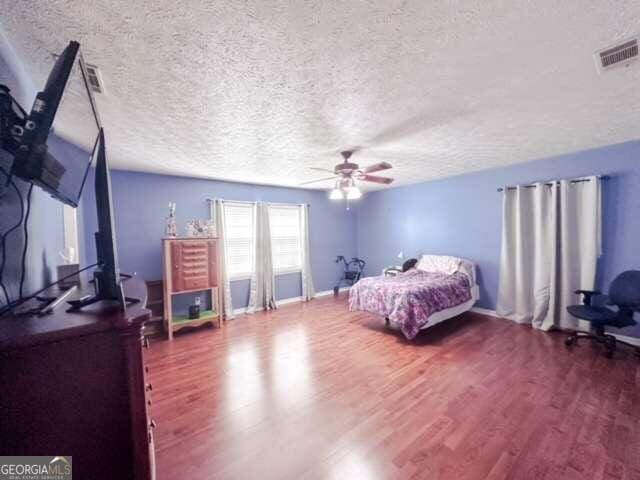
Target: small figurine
[(190, 229), (211, 228), (171, 230), (200, 228)]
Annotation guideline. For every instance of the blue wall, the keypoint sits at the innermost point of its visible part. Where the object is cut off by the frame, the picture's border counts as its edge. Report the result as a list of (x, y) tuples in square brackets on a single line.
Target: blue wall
[(457, 215), (141, 201), (462, 215)]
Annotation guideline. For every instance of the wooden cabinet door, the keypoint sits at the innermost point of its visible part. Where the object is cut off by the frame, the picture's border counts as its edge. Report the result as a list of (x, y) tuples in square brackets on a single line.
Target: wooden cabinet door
[(193, 271), (194, 265), (143, 448)]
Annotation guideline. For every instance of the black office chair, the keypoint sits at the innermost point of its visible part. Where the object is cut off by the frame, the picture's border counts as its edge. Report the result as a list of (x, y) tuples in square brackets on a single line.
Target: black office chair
[(624, 293)]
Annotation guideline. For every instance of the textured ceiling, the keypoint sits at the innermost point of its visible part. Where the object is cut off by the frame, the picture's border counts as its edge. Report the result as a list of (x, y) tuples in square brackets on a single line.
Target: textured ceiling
[(259, 91)]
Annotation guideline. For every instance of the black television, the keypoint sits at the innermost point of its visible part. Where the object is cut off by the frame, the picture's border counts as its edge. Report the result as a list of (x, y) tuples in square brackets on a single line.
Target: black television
[(66, 99), (106, 277)]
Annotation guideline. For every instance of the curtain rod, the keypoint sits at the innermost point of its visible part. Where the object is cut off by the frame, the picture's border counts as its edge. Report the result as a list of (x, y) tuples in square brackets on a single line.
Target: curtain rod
[(270, 203), (557, 182)]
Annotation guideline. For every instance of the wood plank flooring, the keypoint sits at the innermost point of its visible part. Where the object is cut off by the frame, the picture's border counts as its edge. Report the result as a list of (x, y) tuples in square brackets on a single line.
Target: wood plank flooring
[(312, 391)]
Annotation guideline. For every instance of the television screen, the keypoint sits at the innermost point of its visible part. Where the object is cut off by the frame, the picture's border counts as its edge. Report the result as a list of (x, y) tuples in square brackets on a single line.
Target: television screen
[(63, 117), (75, 122)]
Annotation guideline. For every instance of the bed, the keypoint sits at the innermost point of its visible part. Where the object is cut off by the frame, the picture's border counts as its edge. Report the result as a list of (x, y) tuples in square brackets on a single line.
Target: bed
[(438, 288)]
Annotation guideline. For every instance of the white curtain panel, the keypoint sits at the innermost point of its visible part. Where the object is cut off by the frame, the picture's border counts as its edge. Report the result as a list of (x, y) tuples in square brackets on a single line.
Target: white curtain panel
[(551, 240), (227, 307), (578, 246), (308, 291), (262, 295)]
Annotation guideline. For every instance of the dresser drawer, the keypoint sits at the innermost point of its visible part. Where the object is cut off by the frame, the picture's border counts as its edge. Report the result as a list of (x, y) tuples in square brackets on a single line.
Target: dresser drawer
[(193, 265), (194, 283)]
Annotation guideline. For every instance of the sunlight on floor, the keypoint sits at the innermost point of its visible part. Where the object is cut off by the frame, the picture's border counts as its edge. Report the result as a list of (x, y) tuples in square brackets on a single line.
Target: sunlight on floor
[(291, 371), (244, 384)]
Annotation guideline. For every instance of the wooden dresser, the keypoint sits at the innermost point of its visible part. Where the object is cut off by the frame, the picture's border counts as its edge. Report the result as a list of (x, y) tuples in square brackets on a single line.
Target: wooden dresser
[(75, 384), (190, 265)]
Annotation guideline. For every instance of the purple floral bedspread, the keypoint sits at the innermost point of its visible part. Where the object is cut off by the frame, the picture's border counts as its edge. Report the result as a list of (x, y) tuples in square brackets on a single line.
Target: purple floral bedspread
[(410, 298)]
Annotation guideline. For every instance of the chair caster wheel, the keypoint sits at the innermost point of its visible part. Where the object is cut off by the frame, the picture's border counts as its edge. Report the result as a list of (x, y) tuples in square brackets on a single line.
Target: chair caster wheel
[(570, 341), (610, 347)]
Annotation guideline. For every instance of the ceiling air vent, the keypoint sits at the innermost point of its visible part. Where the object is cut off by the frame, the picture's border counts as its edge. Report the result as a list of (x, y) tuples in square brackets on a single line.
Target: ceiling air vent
[(621, 54), (94, 78)]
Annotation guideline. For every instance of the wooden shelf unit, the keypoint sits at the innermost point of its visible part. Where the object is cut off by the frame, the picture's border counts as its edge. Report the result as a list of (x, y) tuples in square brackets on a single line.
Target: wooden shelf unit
[(190, 265)]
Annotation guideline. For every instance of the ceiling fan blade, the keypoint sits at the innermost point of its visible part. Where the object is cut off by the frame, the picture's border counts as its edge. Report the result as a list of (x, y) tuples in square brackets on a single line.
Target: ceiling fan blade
[(376, 167), (317, 180), (375, 179)]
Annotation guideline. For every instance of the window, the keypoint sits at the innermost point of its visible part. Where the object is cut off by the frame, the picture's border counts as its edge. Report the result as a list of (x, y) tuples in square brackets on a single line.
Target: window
[(70, 221), (239, 227), (286, 238)]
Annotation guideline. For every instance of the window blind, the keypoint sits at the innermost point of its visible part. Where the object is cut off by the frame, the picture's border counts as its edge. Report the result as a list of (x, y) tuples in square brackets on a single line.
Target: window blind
[(239, 223), (286, 241)]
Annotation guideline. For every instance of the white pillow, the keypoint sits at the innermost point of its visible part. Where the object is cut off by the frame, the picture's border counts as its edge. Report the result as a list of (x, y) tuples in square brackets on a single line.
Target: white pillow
[(447, 264)]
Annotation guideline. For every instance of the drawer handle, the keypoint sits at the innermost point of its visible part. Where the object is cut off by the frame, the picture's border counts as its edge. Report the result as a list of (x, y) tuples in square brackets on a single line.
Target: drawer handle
[(149, 402), (152, 423), (146, 342), (148, 387), (146, 369)]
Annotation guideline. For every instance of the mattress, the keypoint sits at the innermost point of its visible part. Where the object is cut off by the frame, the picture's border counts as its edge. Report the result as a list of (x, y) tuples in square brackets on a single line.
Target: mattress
[(451, 312), (413, 299)]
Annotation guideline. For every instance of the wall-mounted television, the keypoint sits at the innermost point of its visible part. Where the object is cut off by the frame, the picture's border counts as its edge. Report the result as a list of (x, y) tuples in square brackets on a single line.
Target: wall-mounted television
[(65, 100)]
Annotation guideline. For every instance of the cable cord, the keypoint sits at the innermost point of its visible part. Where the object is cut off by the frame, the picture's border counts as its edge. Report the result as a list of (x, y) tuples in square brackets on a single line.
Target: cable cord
[(3, 242), (25, 245), (19, 302)]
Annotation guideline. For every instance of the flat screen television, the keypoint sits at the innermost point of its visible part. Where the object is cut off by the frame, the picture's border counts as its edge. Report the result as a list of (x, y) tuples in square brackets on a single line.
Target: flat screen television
[(64, 108), (107, 274)]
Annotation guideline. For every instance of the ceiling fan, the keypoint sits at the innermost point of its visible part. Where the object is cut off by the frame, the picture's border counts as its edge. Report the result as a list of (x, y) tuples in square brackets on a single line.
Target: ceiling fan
[(347, 174)]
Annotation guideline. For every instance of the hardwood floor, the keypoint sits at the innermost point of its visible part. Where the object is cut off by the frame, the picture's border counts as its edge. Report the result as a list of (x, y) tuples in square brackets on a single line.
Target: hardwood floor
[(313, 391)]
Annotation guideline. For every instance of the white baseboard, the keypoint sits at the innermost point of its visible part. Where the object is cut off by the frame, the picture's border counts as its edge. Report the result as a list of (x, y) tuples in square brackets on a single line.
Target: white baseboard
[(285, 301), (325, 293), (623, 338), (485, 311), (632, 340)]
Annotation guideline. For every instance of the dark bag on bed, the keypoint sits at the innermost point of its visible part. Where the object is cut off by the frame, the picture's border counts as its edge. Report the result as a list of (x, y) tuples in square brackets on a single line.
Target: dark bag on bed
[(409, 264)]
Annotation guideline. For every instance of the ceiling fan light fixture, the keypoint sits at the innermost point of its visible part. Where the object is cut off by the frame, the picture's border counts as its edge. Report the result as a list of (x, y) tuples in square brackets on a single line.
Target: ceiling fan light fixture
[(353, 193), (348, 175), (336, 194)]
